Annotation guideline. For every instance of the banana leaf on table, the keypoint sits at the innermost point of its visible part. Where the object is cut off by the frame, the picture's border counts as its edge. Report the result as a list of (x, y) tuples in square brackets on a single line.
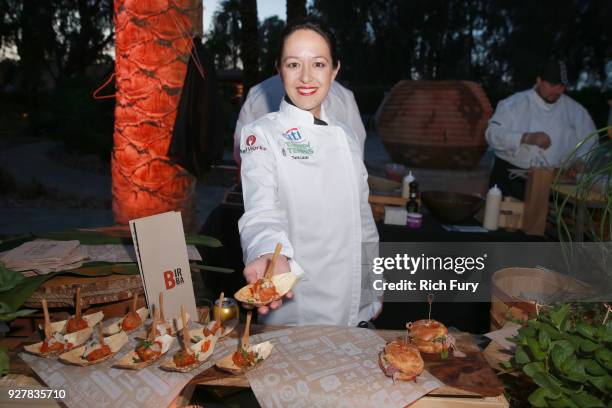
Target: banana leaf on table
[(15, 289), (100, 237)]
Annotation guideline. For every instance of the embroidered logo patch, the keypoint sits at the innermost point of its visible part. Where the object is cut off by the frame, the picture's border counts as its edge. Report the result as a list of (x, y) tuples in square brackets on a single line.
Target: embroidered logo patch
[(293, 135), (250, 145), (295, 145)]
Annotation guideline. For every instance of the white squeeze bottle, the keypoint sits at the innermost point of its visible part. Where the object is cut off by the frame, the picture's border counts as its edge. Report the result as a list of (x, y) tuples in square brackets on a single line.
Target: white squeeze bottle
[(406, 185), (492, 208)]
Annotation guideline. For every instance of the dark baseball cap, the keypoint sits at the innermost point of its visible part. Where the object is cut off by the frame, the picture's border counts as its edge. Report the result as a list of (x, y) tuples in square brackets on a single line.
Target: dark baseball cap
[(555, 72)]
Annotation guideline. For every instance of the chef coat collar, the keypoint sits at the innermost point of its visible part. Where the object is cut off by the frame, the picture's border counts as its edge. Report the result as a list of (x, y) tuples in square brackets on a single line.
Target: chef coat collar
[(289, 108), (541, 102)]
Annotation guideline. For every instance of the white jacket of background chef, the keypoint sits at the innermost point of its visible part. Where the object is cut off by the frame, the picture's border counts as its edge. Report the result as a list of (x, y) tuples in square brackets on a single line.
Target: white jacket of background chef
[(566, 122), (265, 97), (305, 185)]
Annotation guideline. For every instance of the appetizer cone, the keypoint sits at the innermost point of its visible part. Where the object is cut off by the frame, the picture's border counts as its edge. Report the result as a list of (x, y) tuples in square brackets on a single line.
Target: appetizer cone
[(148, 351), (69, 340), (76, 322), (78, 356), (133, 320), (91, 319), (253, 354), (192, 355), (55, 344), (247, 356), (264, 291), (164, 326), (197, 335)]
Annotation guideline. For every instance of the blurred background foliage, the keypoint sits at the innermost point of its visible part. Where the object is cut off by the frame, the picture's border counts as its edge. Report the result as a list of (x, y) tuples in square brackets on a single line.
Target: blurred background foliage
[(55, 53)]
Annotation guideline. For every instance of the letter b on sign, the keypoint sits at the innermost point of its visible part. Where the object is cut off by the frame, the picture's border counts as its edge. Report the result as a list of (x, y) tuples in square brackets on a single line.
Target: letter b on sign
[(169, 279)]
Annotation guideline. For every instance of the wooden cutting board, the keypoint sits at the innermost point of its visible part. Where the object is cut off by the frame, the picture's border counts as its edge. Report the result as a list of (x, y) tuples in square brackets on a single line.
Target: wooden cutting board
[(471, 373)]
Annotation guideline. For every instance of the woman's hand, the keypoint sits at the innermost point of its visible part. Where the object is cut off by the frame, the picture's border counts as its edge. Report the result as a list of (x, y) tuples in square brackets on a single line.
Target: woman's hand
[(256, 270)]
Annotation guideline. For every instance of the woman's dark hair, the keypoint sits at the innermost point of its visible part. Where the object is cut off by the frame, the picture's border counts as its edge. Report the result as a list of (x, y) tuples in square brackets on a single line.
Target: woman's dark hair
[(309, 23)]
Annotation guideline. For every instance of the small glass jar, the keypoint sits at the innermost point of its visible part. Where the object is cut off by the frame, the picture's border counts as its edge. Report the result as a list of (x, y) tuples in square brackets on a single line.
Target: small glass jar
[(229, 309)]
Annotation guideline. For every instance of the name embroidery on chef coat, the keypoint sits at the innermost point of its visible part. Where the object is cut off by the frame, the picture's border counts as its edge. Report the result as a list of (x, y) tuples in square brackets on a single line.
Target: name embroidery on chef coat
[(296, 146)]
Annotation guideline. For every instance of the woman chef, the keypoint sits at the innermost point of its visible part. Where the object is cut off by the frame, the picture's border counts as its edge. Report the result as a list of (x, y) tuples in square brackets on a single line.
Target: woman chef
[(305, 186)]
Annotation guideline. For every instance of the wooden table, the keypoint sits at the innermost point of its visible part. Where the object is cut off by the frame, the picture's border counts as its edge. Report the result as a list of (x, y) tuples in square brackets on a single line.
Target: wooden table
[(441, 397)]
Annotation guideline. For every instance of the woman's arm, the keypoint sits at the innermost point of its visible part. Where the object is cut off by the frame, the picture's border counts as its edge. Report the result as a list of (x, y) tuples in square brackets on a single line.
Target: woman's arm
[(264, 223)]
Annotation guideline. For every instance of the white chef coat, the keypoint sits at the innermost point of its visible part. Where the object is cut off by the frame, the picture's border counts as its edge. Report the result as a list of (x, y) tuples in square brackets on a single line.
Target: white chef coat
[(305, 185), (566, 122), (265, 97)]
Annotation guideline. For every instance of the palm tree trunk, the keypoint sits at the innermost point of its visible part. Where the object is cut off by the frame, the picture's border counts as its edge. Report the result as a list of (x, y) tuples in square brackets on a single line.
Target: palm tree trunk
[(249, 44), (153, 42), (296, 9)]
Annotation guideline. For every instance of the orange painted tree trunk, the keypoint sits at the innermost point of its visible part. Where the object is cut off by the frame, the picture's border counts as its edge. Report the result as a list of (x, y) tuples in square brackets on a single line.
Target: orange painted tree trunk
[(153, 43)]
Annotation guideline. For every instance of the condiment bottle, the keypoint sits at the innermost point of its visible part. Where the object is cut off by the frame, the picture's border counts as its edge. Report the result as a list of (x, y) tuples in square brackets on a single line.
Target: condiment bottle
[(406, 185), (412, 205), (492, 208)]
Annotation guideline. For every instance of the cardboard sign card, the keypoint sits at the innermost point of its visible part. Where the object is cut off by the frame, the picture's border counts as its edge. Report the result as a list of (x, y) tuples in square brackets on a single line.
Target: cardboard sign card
[(159, 241)]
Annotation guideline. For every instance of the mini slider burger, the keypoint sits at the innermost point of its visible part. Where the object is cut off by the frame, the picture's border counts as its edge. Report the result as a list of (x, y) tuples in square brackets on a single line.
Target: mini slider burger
[(56, 343), (430, 336), (401, 360)]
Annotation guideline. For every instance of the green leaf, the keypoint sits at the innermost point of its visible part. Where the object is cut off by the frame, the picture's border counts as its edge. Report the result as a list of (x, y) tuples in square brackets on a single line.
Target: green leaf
[(551, 331), (547, 381), (605, 332), (585, 330), (558, 316), (203, 240), (535, 367), (525, 332), (574, 369), (521, 356), (7, 317), (13, 299), (9, 278), (593, 367), (4, 361), (538, 397), (560, 351), (563, 402), (589, 346), (536, 350), (602, 383), (604, 357), (585, 400), (544, 339)]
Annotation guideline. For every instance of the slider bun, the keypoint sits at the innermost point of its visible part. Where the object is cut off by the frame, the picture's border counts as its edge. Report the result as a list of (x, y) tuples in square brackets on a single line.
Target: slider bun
[(426, 329), (402, 358)]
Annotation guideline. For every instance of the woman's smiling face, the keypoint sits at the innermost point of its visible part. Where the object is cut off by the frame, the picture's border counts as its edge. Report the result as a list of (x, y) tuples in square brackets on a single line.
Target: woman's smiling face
[(307, 70)]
